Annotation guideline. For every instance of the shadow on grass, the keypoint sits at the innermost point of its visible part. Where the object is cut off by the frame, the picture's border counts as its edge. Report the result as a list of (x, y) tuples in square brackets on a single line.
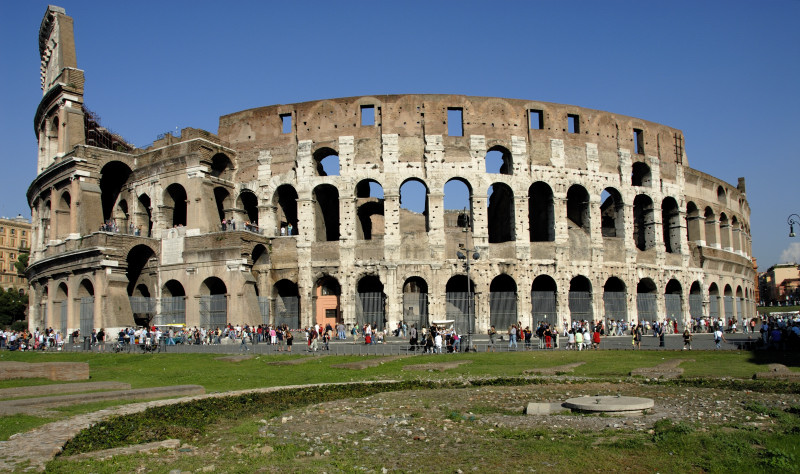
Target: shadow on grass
[(770, 356)]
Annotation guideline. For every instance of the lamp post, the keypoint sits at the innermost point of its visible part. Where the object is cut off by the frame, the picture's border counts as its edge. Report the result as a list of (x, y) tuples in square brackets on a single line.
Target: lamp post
[(793, 220), (464, 254)]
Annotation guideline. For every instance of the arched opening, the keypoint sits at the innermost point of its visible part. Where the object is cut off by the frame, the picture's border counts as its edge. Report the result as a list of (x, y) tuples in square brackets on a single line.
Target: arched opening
[(286, 304), (415, 302), (86, 305), (646, 300), (671, 225), (326, 212), (540, 213), (327, 162), (644, 233), (142, 269), (673, 301), (543, 300), (713, 302), (728, 300), (63, 215), (696, 300), (414, 216), (221, 166), (612, 210), (498, 161), (249, 203), (580, 299), (694, 221), (213, 303), (640, 175), (724, 232), (721, 196), (503, 302), (578, 208), (61, 308), (615, 302), (326, 292), (711, 228), (369, 209), (113, 177), (285, 201), (457, 209), (500, 209), (740, 315), (371, 303), (736, 233), (145, 215), (175, 202), (460, 303), (173, 303), (222, 198), (121, 217)]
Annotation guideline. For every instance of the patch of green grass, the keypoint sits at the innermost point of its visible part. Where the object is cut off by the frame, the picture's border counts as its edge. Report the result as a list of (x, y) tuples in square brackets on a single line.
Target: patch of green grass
[(20, 423)]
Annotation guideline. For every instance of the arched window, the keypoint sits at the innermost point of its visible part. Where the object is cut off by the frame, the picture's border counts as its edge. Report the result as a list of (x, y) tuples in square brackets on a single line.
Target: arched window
[(611, 213), (414, 213), (371, 303), (671, 224), (578, 208), (640, 175), (175, 202), (543, 300), (500, 208), (643, 222), (327, 162), (415, 302), (580, 299), (285, 202), (498, 160), (326, 212), (540, 213), (503, 302), (369, 208)]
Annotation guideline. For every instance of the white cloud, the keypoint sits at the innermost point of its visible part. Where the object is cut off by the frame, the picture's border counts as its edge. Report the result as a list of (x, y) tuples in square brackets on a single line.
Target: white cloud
[(791, 254)]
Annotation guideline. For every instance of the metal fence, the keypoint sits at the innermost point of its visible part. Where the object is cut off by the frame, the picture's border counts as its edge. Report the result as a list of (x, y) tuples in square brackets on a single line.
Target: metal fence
[(615, 304), (647, 306), (543, 306), (696, 306), (415, 309), (87, 315), (173, 310), (580, 305), (370, 309), (263, 306), (460, 308), (728, 309), (64, 319), (287, 311), (674, 306), (742, 318), (143, 305), (713, 306), (502, 308), (213, 311)]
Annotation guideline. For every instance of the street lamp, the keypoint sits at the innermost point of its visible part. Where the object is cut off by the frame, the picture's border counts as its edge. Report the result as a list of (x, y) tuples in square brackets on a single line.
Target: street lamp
[(793, 219), (464, 254)]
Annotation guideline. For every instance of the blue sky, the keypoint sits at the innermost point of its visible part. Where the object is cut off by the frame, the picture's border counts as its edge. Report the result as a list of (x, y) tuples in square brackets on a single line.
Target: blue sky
[(726, 73)]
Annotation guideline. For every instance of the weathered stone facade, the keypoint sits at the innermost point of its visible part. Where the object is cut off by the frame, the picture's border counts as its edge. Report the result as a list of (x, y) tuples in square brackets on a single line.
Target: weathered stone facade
[(590, 215)]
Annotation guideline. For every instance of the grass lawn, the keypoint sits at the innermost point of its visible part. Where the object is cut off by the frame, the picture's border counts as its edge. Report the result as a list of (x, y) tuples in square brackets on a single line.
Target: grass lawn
[(238, 440)]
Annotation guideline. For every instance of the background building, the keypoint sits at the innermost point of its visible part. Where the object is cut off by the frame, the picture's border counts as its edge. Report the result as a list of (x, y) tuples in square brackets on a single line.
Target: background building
[(301, 213), (780, 285), (14, 240)]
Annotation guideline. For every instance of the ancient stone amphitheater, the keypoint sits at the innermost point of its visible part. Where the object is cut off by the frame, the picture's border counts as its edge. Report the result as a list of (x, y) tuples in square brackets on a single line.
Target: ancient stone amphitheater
[(420, 208)]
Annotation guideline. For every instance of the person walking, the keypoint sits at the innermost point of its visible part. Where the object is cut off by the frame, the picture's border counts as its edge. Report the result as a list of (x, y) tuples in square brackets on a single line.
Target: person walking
[(512, 337), (687, 339), (719, 337), (492, 336)]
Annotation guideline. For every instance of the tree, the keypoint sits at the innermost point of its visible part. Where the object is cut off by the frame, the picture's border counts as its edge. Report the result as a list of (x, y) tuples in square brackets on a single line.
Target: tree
[(22, 263), (12, 306)]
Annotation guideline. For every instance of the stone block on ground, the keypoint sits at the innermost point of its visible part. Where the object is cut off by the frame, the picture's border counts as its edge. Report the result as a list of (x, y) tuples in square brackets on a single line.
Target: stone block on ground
[(60, 371)]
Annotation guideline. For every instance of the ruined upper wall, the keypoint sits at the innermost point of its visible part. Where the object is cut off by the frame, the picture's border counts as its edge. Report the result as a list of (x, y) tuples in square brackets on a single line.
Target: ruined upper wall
[(414, 117)]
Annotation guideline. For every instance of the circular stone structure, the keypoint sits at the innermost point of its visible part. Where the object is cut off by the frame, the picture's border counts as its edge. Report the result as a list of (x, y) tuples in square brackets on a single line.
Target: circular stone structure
[(358, 210), (609, 404)]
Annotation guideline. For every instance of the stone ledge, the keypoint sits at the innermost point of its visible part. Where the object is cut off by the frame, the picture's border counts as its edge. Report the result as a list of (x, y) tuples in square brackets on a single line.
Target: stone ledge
[(60, 371)]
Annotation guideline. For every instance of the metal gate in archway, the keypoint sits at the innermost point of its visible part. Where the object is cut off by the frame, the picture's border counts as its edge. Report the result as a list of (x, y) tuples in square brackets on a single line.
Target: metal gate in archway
[(543, 307), (460, 308), (615, 304), (287, 311), (213, 311), (502, 308), (674, 306), (173, 310), (87, 315), (580, 305), (696, 306), (263, 308), (371, 309), (647, 307), (64, 320), (415, 309)]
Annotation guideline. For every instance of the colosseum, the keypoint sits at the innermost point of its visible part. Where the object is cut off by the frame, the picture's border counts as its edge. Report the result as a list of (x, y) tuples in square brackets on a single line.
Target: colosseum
[(380, 209)]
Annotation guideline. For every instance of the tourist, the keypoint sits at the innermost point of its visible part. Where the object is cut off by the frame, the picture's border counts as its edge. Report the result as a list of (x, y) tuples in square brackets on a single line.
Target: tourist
[(719, 337), (492, 334), (512, 337), (687, 339)]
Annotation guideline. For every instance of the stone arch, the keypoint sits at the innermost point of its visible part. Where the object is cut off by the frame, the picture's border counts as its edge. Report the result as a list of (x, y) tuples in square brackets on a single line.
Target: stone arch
[(60, 307), (696, 300), (711, 227), (736, 233), (415, 302), (326, 212), (248, 202), (175, 204), (503, 301), (580, 299), (612, 211), (500, 213), (113, 177), (458, 203), (414, 215), (498, 159), (326, 162), (671, 225), (646, 300), (173, 288), (728, 304), (371, 302), (693, 222), (643, 222), (541, 219), (722, 197), (724, 231), (714, 301), (63, 211), (327, 292), (460, 303), (222, 198), (370, 210), (544, 307), (578, 212), (142, 266), (144, 226), (673, 300), (221, 166), (286, 304), (615, 300), (285, 202), (85, 306), (641, 175)]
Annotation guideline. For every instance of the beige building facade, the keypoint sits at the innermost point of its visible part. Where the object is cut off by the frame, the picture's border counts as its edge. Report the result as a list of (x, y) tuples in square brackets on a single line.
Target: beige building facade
[(302, 213), (14, 240)]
